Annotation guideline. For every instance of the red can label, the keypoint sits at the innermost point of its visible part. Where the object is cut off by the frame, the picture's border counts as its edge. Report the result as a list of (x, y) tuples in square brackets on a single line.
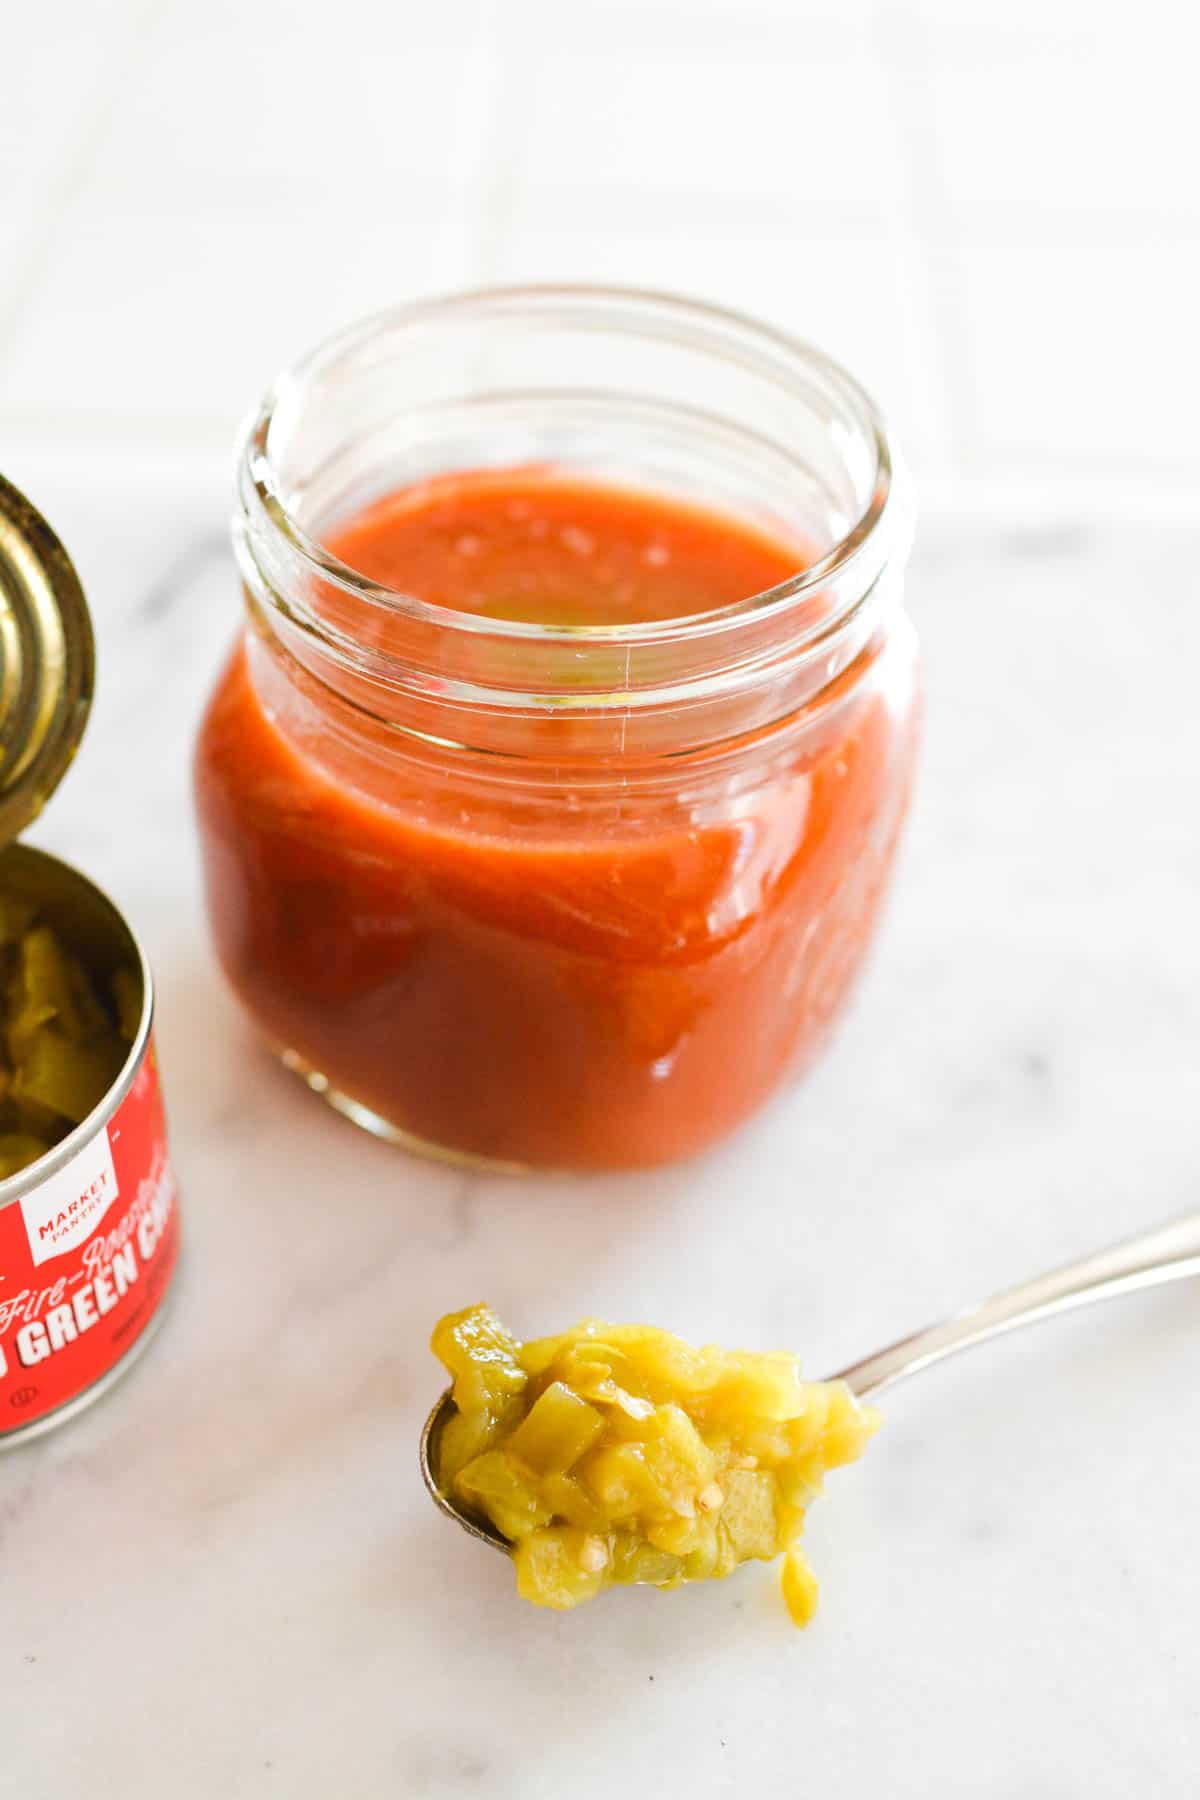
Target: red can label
[(85, 1258)]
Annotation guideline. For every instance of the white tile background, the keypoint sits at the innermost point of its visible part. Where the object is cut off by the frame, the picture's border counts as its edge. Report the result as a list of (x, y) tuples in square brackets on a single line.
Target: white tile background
[(991, 212)]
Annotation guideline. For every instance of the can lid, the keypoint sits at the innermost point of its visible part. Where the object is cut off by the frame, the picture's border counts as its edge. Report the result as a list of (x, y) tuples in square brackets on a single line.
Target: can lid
[(47, 662)]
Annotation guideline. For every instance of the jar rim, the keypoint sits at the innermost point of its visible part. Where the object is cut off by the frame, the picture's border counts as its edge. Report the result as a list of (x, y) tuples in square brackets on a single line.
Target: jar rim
[(763, 348)]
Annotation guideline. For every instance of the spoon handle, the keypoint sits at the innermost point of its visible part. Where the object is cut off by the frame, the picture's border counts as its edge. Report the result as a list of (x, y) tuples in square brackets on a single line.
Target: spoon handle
[(1166, 1254)]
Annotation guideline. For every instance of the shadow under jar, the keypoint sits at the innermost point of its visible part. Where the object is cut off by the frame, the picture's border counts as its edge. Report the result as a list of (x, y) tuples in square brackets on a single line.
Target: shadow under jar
[(572, 895)]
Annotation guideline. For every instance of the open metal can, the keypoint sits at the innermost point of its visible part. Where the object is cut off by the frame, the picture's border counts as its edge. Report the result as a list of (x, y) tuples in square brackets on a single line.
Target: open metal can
[(88, 1231)]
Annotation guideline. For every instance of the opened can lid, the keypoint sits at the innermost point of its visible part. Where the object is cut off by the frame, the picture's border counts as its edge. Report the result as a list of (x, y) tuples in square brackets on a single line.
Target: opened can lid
[(47, 662)]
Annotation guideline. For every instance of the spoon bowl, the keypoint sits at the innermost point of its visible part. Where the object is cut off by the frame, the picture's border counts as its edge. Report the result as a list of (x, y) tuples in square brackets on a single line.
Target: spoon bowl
[(431, 1439)]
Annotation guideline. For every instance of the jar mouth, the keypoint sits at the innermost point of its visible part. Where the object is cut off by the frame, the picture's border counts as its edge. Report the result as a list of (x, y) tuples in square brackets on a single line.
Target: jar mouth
[(268, 493)]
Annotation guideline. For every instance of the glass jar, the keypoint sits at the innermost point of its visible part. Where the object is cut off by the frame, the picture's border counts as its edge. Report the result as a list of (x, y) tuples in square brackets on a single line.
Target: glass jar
[(543, 896)]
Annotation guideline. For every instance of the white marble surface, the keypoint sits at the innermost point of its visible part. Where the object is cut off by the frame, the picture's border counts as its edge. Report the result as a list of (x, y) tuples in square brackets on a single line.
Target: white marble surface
[(225, 1579)]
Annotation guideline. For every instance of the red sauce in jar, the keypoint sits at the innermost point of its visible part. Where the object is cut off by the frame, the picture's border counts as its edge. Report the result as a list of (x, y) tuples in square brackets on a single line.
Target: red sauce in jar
[(523, 544), (549, 987)]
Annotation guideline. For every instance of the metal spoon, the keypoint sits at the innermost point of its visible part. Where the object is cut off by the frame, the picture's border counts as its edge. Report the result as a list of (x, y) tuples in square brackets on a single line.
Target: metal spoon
[(1167, 1254)]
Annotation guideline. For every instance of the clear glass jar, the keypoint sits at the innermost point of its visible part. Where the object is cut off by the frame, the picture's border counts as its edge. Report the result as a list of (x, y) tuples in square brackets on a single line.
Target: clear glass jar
[(542, 896)]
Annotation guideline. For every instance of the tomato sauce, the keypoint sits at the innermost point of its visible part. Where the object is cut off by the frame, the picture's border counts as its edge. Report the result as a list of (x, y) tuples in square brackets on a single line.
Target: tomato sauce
[(536, 546), (549, 984)]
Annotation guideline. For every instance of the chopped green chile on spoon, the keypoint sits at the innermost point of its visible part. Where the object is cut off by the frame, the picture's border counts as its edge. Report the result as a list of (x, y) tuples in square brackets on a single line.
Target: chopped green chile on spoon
[(619, 1453), (61, 1046)]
